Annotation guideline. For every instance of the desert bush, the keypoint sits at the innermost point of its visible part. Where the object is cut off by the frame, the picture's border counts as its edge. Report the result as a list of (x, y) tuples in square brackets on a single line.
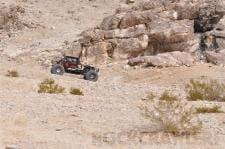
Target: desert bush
[(215, 109), (12, 73), (49, 86), (171, 115), (210, 90), (150, 97), (76, 91)]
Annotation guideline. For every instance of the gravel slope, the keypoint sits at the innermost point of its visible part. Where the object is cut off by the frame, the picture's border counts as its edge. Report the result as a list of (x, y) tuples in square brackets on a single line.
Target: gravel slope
[(106, 116)]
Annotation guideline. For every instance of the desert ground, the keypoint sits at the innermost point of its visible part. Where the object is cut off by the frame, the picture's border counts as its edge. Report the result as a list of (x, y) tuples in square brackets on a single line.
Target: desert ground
[(108, 115)]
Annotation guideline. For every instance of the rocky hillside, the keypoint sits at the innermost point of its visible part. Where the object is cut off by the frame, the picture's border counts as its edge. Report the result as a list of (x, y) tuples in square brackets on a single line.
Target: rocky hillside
[(158, 33), (36, 30), (150, 33), (109, 113)]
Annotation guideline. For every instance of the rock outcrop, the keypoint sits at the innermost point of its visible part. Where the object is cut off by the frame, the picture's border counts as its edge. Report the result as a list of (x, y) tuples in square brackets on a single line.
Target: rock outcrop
[(168, 59), (157, 33), (217, 58)]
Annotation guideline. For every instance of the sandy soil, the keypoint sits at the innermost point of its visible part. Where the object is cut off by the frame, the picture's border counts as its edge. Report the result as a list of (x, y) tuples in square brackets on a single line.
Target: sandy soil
[(107, 116)]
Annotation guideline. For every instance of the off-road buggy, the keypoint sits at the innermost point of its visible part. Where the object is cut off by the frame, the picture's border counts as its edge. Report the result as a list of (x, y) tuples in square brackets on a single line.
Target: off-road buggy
[(72, 65)]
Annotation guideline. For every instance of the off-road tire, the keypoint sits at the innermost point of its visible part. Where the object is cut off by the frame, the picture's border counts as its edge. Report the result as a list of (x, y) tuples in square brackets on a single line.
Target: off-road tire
[(91, 76), (58, 69)]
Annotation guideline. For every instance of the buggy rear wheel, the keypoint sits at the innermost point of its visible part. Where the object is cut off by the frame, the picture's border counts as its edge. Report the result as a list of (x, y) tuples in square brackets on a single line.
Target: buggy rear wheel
[(91, 76), (57, 69)]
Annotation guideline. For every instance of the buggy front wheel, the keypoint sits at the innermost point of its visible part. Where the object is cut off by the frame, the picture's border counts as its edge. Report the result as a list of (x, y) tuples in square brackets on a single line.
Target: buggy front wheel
[(57, 69)]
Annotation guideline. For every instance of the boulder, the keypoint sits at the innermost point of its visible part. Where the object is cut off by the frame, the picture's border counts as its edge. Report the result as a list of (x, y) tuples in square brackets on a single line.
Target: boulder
[(130, 1), (112, 22), (220, 42), (12, 147), (150, 4), (219, 33), (91, 36), (168, 36), (130, 32), (135, 18), (130, 47), (98, 52), (187, 9), (75, 50), (164, 60), (217, 58), (158, 33)]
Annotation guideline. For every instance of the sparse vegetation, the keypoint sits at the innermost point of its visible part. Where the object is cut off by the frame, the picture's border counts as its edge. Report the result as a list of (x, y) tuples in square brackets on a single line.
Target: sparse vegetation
[(215, 109), (171, 115), (49, 86), (12, 73), (210, 90), (150, 97), (76, 91)]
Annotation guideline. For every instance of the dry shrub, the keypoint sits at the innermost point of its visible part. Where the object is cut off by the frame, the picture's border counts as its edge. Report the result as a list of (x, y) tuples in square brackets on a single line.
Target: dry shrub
[(76, 91), (12, 73), (171, 115), (150, 97), (215, 109), (49, 86), (210, 90)]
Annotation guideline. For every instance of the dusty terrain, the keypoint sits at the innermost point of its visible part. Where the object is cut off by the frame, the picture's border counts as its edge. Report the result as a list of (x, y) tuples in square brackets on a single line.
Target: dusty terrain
[(53, 22), (107, 116)]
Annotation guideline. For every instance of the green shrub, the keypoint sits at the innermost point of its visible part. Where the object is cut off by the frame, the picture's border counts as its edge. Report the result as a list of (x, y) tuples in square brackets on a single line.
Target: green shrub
[(76, 91), (210, 90), (49, 86), (215, 109), (171, 115), (12, 73)]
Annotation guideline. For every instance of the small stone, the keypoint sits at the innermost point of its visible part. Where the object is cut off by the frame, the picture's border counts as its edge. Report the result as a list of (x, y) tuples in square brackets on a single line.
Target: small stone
[(109, 65), (130, 1), (12, 147), (53, 27)]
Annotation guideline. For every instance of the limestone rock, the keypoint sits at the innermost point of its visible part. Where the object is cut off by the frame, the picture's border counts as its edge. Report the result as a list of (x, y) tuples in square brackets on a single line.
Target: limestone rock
[(130, 1), (219, 33), (97, 53), (112, 22), (130, 47), (75, 50), (168, 36), (135, 18), (158, 33), (216, 58), (12, 147), (92, 36), (164, 60), (130, 32)]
